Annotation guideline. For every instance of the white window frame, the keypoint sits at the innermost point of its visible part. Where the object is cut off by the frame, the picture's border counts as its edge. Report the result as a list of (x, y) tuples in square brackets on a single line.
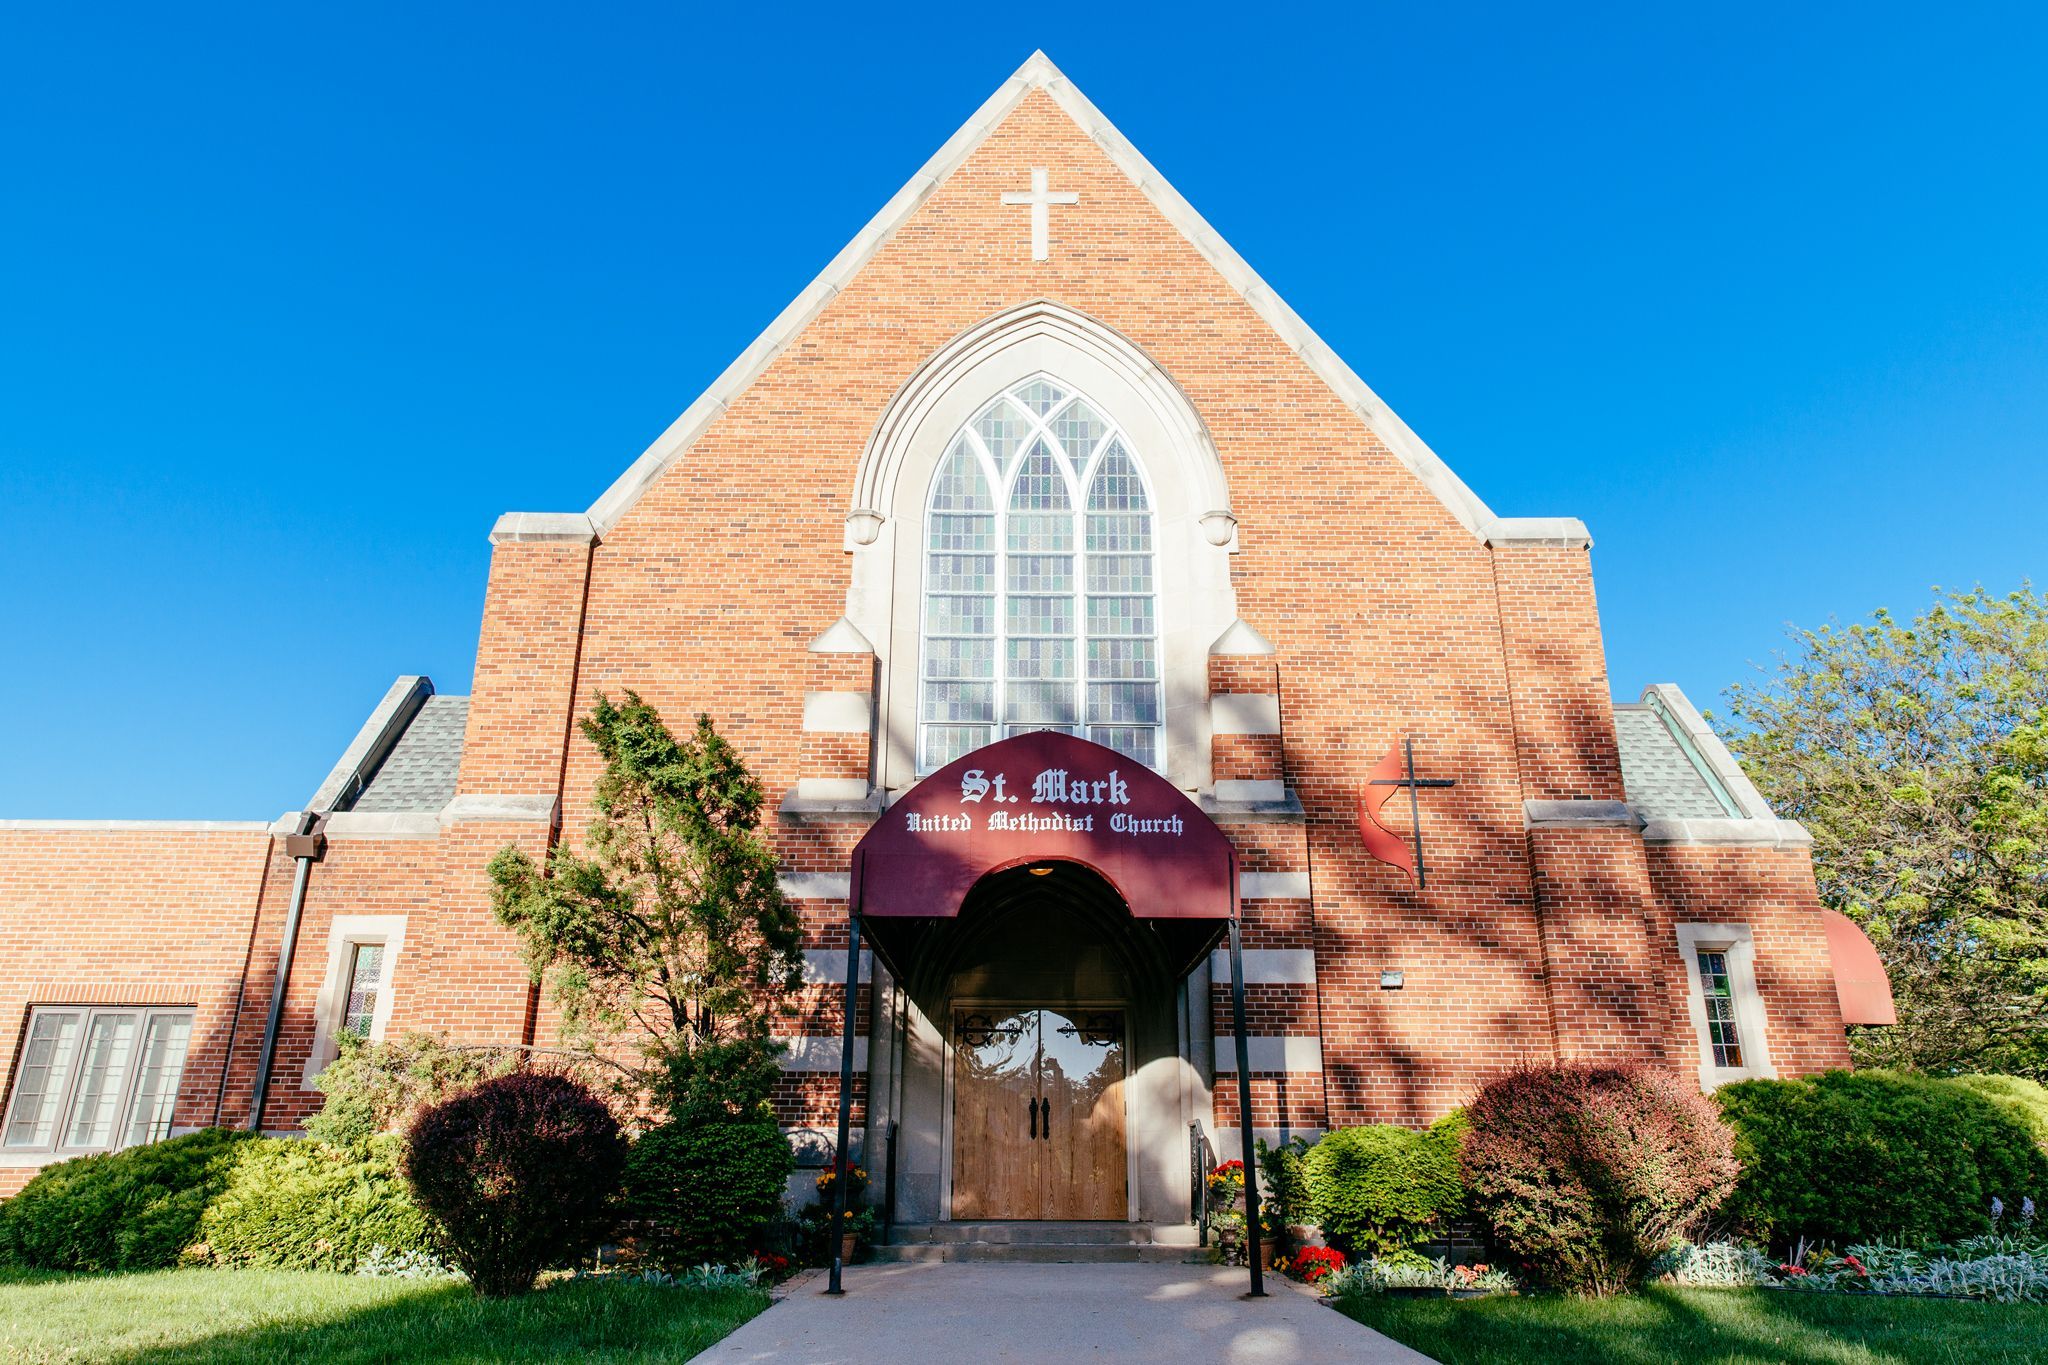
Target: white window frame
[(57, 1147), (1735, 943), (330, 1011), (1079, 476)]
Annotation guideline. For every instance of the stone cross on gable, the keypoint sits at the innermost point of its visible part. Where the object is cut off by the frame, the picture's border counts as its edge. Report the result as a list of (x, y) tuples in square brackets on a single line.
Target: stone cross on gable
[(1040, 199)]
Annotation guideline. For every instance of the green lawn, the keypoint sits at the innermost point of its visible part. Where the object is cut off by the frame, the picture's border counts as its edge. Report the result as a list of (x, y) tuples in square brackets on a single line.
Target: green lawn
[(267, 1316), (1712, 1325)]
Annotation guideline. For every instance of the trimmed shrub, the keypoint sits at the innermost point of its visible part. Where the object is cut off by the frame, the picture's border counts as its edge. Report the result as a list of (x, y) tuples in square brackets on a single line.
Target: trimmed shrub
[(1863, 1156), (374, 1088), (517, 1174), (1588, 1173), (2025, 1100), (298, 1204), (1378, 1188), (129, 1210), (703, 1193)]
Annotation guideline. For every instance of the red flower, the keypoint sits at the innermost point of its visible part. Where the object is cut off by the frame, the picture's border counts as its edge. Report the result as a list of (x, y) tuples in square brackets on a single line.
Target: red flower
[(1315, 1262)]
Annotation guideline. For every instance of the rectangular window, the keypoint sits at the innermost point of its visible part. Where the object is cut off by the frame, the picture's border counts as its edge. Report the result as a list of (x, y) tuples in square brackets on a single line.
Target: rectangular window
[(358, 987), (1730, 1020), (1717, 991), (44, 1077), (92, 1079), (365, 981)]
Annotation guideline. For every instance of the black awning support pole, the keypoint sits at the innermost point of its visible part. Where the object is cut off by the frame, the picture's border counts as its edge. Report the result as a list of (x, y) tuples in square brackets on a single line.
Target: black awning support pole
[(843, 1170), (1244, 1113)]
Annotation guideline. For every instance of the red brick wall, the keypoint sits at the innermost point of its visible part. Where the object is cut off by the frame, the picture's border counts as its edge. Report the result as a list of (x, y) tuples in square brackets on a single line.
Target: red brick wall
[(1609, 1000), (525, 668), (1772, 891), (132, 917), (1557, 672)]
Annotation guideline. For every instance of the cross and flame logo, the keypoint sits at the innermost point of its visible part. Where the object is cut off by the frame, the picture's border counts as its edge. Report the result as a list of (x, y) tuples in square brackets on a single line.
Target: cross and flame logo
[(1395, 771)]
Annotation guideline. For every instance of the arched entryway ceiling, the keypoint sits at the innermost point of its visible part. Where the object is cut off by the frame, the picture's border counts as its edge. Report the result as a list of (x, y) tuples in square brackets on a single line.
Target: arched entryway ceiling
[(1087, 909)]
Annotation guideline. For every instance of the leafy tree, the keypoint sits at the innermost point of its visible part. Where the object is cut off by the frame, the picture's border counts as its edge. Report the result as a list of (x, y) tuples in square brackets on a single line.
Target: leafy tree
[(670, 930), (1917, 755)]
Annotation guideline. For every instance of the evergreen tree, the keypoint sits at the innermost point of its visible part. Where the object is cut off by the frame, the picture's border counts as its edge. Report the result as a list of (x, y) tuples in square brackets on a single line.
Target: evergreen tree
[(669, 928)]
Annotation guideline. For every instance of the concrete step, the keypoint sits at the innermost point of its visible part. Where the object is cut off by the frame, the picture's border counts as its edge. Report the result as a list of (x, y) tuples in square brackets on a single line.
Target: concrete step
[(990, 1252), (1043, 1242), (1022, 1233)]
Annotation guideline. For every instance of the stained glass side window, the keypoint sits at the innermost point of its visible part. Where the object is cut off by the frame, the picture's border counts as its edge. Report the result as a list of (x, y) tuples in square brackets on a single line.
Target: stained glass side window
[(957, 707), (365, 984), (1123, 632), (1038, 599), (1039, 595), (1722, 1035)]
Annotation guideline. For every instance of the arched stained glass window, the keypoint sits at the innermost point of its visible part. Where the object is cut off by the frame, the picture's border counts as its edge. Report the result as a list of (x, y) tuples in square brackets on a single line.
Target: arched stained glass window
[(1039, 605)]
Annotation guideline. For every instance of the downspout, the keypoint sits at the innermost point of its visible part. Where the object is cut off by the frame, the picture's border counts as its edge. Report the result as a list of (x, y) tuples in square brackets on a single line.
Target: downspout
[(308, 844)]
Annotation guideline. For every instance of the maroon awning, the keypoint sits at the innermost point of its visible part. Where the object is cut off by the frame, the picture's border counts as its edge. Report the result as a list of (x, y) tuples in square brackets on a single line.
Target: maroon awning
[(1045, 797), (1861, 986)]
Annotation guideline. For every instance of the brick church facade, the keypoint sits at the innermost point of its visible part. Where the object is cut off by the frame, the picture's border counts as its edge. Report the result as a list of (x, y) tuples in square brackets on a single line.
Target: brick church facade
[(1037, 451)]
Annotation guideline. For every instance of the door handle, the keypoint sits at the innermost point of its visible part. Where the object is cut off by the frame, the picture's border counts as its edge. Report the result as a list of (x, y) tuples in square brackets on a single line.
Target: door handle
[(1032, 1105), (1048, 1119)]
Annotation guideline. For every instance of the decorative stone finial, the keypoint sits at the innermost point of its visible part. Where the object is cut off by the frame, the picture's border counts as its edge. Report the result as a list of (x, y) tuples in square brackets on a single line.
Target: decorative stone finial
[(864, 524)]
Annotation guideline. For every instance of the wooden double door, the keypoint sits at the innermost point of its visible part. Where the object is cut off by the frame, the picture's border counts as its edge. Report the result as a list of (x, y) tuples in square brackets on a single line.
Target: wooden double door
[(1038, 1113)]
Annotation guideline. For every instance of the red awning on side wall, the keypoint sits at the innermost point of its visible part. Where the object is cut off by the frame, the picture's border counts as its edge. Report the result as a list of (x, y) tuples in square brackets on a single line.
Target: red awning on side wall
[(1862, 987)]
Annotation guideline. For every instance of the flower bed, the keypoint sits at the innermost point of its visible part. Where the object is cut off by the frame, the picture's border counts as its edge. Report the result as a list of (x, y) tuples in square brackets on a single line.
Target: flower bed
[(1410, 1272), (1997, 1267)]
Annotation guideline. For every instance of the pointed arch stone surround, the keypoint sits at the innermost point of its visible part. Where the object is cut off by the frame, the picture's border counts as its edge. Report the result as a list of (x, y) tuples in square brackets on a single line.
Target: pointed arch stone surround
[(887, 507)]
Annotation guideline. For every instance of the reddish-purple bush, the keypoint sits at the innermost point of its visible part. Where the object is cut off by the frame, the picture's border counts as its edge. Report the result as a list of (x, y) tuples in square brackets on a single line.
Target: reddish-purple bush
[(1588, 1172), (519, 1174)]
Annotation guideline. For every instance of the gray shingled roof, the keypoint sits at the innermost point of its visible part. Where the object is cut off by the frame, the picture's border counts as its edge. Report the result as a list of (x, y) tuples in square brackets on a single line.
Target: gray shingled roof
[(419, 774), (1662, 780)]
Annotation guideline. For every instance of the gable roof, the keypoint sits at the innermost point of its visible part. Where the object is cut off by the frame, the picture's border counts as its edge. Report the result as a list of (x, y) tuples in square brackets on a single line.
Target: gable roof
[(1663, 780), (1038, 73), (419, 773)]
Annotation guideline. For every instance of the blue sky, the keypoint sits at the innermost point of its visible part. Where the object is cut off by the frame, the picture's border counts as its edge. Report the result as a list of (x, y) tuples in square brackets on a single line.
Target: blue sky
[(295, 300)]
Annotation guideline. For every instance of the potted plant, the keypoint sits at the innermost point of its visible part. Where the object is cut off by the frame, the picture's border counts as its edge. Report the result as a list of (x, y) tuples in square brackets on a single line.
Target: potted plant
[(1224, 1193), (1270, 1237), (1226, 1185), (1229, 1229), (1282, 1178), (856, 1186)]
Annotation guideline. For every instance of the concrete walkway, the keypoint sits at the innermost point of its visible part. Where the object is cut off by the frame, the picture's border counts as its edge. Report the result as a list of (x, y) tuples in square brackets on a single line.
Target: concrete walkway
[(956, 1312)]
